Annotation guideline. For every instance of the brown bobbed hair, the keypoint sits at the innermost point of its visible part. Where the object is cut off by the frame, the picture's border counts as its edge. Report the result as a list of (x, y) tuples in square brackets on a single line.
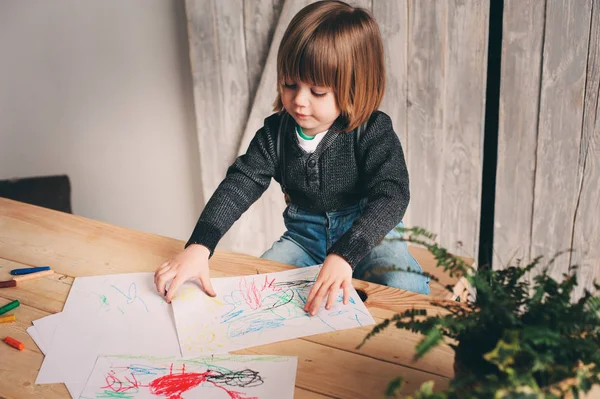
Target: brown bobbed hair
[(332, 44)]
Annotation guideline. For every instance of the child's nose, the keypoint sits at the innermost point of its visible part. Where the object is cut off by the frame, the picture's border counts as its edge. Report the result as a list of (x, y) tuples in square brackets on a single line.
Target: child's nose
[(301, 99)]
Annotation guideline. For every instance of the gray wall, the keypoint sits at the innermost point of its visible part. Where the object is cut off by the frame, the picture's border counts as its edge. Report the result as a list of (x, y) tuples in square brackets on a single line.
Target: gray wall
[(102, 91)]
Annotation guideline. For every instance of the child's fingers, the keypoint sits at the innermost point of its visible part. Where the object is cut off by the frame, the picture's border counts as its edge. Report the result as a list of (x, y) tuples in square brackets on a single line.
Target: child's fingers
[(161, 271), (318, 300), (177, 282), (332, 295), (347, 293), (207, 285), (161, 281), (311, 295)]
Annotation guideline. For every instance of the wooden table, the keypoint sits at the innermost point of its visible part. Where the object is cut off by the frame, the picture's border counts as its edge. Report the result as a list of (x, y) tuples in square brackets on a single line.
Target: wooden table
[(329, 365)]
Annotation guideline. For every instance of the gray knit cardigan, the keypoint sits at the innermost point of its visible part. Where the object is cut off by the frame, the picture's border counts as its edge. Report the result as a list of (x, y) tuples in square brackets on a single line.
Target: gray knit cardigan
[(338, 174)]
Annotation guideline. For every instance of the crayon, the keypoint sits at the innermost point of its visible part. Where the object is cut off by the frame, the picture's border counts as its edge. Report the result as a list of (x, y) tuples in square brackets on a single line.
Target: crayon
[(7, 284), (32, 276), (14, 343), (27, 270), (8, 318), (9, 306)]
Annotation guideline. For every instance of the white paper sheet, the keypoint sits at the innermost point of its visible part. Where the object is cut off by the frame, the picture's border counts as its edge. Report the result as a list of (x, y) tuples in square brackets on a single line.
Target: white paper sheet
[(74, 389), (46, 326), (226, 376), (37, 338), (256, 310), (108, 315)]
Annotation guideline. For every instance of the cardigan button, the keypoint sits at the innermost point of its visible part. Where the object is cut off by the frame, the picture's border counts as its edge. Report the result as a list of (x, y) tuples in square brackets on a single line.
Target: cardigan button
[(313, 177), (312, 163)]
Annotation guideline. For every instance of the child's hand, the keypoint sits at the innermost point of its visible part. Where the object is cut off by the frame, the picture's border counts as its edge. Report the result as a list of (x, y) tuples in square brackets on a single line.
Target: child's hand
[(335, 273), (191, 263)]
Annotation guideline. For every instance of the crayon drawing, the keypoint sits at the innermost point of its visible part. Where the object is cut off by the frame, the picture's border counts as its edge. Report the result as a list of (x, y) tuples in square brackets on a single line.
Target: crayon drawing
[(227, 376), (256, 310)]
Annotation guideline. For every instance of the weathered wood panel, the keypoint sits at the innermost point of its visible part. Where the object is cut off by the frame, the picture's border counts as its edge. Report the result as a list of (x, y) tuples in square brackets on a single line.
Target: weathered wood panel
[(523, 33), (560, 123), (393, 22), (586, 229), (226, 38), (425, 113), (260, 20), (465, 65)]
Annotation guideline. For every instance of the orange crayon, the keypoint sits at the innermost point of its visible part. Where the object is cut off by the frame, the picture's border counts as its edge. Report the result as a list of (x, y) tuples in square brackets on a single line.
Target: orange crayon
[(8, 318), (14, 343)]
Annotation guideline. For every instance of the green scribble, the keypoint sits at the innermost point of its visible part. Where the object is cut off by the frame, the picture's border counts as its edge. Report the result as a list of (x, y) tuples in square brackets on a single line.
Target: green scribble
[(111, 394), (103, 301), (121, 310)]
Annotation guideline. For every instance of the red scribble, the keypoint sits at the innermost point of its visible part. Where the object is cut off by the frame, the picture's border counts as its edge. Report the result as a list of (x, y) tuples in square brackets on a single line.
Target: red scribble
[(269, 284), (251, 293), (174, 385), (116, 385)]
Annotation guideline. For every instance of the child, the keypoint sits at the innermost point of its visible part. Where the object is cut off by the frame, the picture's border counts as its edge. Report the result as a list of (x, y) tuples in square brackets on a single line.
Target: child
[(337, 158)]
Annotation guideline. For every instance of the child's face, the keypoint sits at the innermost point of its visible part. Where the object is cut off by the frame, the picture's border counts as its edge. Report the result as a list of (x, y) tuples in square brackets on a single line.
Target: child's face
[(314, 108)]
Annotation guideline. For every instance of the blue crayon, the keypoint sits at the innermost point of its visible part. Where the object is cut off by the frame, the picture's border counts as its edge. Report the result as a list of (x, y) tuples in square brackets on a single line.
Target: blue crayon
[(28, 270)]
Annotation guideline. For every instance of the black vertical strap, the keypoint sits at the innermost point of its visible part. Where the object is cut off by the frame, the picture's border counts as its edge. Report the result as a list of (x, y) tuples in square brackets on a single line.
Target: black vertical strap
[(490, 131), (281, 151)]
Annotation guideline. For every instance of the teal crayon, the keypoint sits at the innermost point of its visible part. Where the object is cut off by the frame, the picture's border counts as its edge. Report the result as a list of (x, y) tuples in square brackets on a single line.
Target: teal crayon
[(9, 306)]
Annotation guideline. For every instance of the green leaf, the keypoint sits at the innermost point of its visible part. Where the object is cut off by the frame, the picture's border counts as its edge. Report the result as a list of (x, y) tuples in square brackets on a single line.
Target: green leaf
[(431, 340), (394, 386)]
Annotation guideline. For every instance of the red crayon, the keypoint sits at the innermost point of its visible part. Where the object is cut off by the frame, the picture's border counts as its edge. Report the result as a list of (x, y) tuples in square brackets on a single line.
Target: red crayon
[(14, 343), (7, 284)]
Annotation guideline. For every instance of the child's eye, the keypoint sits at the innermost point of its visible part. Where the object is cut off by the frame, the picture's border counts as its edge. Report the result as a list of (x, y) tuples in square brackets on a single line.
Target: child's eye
[(289, 85), (318, 94)]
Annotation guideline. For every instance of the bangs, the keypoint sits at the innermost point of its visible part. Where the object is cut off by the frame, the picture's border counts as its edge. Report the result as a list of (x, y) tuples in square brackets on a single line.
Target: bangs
[(313, 62)]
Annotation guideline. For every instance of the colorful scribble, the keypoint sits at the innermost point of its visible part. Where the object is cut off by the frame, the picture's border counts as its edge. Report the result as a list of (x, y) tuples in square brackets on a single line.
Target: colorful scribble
[(172, 386), (126, 382)]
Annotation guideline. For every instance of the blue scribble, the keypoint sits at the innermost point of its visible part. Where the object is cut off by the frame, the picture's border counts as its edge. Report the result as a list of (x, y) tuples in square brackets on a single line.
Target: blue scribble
[(146, 370), (132, 295), (255, 326), (358, 321), (231, 315), (339, 312), (327, 324)]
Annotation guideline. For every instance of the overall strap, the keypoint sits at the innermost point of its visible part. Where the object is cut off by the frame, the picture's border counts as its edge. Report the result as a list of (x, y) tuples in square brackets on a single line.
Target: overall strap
[(280, 151)]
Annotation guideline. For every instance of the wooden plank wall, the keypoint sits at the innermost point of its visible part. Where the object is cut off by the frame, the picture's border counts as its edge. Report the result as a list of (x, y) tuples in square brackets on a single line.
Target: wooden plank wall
[(436, 66), (447, 57), (548, 171)]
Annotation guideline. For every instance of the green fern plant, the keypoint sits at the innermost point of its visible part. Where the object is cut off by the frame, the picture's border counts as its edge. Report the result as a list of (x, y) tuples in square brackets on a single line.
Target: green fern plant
[(519, 338)]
